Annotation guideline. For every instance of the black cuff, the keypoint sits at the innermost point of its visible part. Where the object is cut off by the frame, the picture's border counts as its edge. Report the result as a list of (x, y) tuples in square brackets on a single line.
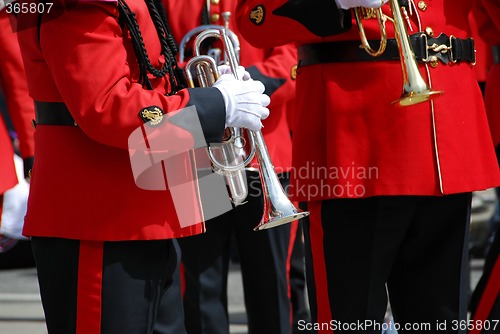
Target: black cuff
[(321, 17), (27, 166), (271, 84), (211, 111)]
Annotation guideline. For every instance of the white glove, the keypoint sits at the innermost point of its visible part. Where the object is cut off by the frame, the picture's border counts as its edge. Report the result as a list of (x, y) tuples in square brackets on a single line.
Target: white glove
[(346, 4), (242, 74), (245, 102), (15, 201)]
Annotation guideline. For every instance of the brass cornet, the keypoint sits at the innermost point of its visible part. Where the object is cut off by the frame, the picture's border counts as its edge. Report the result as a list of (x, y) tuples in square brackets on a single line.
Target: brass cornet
[(415, 89), (278, 209)]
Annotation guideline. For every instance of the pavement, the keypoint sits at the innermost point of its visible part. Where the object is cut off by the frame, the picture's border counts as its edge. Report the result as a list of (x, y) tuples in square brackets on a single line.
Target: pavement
[(21, 311)]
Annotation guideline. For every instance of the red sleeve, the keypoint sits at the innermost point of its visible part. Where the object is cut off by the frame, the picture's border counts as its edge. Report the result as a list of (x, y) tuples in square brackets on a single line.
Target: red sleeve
[(13, 82), (483, 54), (275, 72), (487, 16), (269, 23), (84, 50), (255, 24)]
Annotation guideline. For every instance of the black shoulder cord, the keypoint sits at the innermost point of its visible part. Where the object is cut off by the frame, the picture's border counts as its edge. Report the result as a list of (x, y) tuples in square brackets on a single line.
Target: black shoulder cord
[(170, 38), (168, 47), (179, 72)]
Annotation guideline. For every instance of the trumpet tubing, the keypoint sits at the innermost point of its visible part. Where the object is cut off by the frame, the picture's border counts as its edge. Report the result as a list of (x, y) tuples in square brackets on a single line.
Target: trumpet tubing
[(415, 89), (233, 169), (194, 32), (205, 69), (361, 13), (236, 183)]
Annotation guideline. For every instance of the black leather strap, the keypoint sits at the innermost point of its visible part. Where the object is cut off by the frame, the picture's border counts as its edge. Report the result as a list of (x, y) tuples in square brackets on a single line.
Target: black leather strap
[(443, 48), (53, 113)]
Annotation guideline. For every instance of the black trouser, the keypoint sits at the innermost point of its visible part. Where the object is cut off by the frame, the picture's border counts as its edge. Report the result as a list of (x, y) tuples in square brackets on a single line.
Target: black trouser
[(300, 308), (262, 255), (109, 287), (412, 248)]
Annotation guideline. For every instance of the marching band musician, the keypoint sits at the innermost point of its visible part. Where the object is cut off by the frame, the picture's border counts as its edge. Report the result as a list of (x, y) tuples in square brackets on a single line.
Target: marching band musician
[(263, 254), (20, 109), (98, 71), (485, 300), (487, 25), (388, 187)]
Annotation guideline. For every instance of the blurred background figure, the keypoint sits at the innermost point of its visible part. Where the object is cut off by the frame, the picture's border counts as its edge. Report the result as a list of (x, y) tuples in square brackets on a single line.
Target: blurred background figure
[(484, 208), (485, 301), (16, 149)]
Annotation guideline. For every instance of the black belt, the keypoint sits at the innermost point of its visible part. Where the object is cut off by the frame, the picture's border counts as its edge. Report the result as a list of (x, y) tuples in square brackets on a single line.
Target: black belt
[(427, 49), (495, 51), (53, 113)]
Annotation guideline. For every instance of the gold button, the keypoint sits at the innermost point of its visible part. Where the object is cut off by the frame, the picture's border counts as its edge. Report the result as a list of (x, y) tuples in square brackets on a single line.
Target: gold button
[(429, 32), (214, 18), (422, 6), (294, 72), (434, 62), (214, 2)]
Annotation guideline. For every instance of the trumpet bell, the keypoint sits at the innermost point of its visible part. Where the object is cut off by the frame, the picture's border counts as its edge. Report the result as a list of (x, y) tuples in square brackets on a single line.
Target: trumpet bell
[(415, 89), (276, 214), (413, 97), (278, 209)]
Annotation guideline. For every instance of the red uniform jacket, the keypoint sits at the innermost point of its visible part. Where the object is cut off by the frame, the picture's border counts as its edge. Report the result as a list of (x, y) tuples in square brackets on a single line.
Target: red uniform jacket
[(19, 104), (488, 24), (82, 185), (272, 66), (349, 141)]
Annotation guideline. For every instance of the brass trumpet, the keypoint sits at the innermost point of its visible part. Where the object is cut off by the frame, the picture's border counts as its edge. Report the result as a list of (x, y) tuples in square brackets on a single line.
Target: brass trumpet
[(415, 89), (278, 209)]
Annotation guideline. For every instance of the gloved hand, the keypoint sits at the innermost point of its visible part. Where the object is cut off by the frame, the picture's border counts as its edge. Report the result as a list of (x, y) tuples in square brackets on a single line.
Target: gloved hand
[(245, 102), (242, 73), (346, 4)]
